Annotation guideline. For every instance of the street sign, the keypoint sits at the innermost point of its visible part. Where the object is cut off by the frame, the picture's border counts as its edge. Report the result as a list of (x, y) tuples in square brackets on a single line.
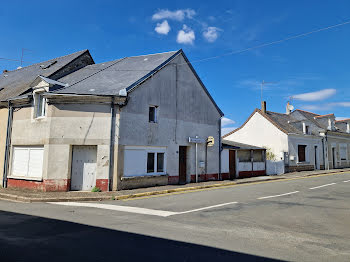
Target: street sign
[(196, 140), (210, 141)]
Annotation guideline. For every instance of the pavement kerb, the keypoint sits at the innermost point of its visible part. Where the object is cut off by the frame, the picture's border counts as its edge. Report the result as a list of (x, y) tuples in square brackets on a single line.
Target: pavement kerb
[(16, 198)]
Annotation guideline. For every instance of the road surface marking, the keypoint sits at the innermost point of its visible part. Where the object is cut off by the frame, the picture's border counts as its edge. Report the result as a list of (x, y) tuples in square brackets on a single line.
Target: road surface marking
[(229, 186), (137, 210), (204, 208), (322, 186), (286, 194), (346, 181)]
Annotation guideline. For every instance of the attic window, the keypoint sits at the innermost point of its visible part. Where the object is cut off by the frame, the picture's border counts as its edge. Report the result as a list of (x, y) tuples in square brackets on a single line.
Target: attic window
[(153, 114), (307, 130), (39, 105)]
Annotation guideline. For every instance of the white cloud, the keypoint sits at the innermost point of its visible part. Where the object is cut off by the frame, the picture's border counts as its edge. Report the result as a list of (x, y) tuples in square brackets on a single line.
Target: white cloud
[(315, 96), (338, 118), (226, 130), (162, 28), (186, 35), (178, 15), (211, 34), (342, 104), (227, 121)]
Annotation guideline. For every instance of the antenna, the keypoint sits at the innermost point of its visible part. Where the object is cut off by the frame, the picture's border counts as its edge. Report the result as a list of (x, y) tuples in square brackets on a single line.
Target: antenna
[(24, 49), (262, 87)]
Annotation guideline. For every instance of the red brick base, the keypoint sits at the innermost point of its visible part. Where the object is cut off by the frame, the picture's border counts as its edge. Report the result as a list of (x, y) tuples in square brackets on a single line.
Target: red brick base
[(173, 180), (204, 177), (51, 185), (47, 185), (246, 174)]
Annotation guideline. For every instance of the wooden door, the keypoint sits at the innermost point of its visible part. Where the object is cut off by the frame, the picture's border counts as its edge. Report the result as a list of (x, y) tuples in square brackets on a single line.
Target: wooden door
[(232, 164), (182, 164)]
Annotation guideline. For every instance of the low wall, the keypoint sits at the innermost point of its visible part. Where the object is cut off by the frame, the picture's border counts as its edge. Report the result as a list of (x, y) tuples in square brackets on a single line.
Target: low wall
[(143, 181), (274, 167), (300, 168)]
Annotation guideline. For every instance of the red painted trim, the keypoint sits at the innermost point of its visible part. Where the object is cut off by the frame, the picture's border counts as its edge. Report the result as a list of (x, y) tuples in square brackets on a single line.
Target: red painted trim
[(225, 176), (204, 177), (47, 185), (102, 184), (245, 174)]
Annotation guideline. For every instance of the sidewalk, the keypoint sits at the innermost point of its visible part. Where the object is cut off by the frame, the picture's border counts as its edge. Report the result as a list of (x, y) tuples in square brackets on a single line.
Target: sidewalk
[(21, 195)]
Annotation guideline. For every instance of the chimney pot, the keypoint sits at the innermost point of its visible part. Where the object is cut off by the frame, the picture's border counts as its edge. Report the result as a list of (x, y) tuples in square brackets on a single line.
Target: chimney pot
[(263, 106), (5, 71)]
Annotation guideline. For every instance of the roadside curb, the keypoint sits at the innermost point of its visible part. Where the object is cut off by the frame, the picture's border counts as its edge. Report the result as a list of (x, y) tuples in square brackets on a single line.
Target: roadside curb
[(23, 199)]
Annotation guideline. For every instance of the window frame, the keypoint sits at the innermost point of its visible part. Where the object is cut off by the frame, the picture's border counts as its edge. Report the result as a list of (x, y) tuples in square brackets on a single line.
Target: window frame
[(155, 162), (39, 99), (345, 147), (155, 114)]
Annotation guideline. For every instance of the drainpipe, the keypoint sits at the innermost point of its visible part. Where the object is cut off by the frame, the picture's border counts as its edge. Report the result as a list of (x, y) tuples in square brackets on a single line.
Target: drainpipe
[(327, 153), (220, 150), (8, 144), (111, 145), (324, 157)]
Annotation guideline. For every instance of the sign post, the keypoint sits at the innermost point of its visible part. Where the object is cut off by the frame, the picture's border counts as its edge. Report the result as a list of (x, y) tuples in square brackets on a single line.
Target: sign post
[(197, 141)]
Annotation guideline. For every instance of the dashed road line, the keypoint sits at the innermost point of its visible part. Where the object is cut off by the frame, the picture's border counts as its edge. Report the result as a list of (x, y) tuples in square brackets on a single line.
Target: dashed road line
[(286, 194), (346, 181), (322, 186), (205, 208)]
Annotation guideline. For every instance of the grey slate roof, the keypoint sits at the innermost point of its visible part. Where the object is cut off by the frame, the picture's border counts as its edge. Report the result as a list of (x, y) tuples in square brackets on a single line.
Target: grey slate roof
[(14, 83), (282, 121), (110, 77)]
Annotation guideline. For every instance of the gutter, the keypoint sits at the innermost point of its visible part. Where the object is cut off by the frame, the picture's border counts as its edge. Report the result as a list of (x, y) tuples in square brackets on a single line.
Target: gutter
[(8, 144)]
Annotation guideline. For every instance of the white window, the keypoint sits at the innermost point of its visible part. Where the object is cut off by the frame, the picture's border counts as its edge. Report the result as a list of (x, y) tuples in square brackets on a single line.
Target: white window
[(40, 105), (343, 152), (141, 161), (27, 162), (153, 114)]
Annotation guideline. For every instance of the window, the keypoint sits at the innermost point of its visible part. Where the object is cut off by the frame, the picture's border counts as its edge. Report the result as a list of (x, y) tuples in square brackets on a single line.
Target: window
[(152, 114), (244, 156), (307, 130), (301, 153), (343, 152), (40, 102), (160, 162), (150, 162), (27, 162), (258, 156)]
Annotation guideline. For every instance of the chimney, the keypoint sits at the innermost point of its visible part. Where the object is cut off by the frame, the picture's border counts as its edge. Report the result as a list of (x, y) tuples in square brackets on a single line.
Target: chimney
[(5, 71), (263, 106), (288, 108)]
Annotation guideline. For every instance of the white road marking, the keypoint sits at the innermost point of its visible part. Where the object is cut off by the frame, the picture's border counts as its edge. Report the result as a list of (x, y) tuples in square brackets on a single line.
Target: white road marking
[(204, 208), (322, 186), (137, 210), (286, 194), (346, 181)]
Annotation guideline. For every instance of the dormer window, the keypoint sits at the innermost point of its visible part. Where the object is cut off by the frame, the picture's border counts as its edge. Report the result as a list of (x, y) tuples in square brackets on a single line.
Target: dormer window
[(40, 105), (307, 131)]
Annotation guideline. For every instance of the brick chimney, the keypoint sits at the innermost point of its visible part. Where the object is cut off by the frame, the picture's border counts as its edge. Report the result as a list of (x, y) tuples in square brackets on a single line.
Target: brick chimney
[(288, 108), (5, 71), (263, 107)]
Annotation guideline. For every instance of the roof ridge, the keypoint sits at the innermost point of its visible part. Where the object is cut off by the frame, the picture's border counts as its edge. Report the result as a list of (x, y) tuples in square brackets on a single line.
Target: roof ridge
[(342, 120), (154, 53), (306, 111), (84, 50)]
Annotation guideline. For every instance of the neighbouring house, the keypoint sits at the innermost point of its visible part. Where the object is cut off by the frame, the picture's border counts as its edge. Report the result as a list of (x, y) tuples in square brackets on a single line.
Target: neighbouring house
[(291, 138), (242, 160), (132, 122)]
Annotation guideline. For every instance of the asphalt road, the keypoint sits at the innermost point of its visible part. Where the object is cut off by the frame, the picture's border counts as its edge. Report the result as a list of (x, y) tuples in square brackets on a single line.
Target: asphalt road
[(305, 219)]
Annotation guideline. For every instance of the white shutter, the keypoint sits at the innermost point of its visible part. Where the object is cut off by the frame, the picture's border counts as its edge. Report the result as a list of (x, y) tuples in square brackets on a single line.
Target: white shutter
[(27, 162), (36, 157), (20, 161), (343, 152)]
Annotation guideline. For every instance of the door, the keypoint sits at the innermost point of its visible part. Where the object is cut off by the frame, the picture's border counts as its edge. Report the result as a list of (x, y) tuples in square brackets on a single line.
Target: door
[(182, 164), (84, 168), (316, 162), (232, 164)]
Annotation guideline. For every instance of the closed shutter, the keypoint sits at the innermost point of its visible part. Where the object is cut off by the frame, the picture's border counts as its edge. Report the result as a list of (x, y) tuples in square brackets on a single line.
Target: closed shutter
[(27, 162)]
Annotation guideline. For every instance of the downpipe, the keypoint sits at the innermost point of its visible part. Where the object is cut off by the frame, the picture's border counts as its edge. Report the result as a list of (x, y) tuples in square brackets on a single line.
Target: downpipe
[(8, 144)]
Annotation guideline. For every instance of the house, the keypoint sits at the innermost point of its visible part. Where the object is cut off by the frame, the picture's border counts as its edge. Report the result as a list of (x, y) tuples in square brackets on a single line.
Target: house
[(242, 160), (290, 138), (132, 122)]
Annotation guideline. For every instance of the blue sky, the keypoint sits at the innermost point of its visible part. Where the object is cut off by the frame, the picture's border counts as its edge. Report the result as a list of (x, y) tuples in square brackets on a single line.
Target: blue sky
[(314, 70)]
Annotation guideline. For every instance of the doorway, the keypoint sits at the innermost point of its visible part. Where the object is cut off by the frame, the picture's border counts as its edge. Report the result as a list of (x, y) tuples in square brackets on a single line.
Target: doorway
[(84, 167), (333, 157), (232, 164), (182, 164), (316, 162)]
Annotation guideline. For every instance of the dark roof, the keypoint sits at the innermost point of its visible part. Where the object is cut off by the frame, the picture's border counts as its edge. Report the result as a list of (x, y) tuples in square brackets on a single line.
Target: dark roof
[(110, 77), (310, 116), (282, 120), (236, 145), (14, 83)]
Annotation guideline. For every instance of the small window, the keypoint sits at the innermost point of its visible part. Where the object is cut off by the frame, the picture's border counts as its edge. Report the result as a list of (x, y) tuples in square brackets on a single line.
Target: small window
[(150, 162), (40, 103), (343, 152), (307, 130), (160, 162), (301, 153), (153, 114), (244, 156), (258, 156)]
